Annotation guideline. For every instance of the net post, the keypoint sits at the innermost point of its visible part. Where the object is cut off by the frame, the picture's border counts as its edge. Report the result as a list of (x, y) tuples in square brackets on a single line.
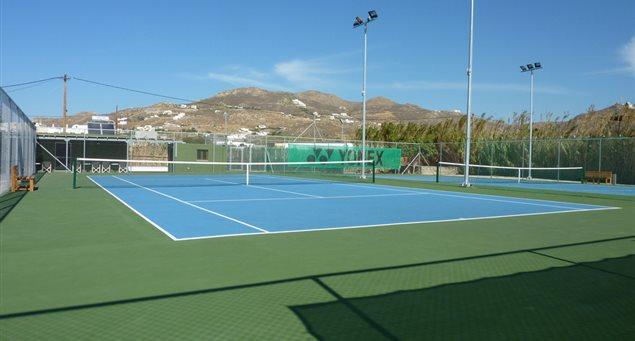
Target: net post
[(247, 174), (582, 177), (438, 170), (519, 174), (373, 171), (74, 173)]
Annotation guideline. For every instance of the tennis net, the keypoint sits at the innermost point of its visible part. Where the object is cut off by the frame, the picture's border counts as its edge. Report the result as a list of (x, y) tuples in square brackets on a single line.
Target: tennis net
[(454, 172), (90, 172)]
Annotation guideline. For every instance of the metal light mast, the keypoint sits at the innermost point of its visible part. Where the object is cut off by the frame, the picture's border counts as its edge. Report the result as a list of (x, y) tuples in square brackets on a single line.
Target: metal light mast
[(372, 15), (531, 68)]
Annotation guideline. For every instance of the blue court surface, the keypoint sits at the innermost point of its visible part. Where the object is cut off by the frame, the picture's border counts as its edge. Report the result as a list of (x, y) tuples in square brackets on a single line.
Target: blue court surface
[(563, 186), (198, 206)]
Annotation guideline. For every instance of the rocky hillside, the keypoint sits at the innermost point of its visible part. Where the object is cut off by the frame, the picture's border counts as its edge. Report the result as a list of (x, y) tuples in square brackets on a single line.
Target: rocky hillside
[(283, 113), (286, 113)]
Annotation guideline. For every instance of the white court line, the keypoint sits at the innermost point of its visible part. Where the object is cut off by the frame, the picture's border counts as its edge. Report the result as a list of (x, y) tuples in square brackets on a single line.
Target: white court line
[(270, 189), (223, 181), (134, 210), (312, 198), (192, 205), (290, 192), (402, 223)]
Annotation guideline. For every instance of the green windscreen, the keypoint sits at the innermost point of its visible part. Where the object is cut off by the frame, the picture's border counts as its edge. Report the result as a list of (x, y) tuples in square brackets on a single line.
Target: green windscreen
[(385, 158)]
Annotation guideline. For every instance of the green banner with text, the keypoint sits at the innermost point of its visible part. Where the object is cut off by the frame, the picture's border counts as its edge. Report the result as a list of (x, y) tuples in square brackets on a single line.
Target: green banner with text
[(385, 158)]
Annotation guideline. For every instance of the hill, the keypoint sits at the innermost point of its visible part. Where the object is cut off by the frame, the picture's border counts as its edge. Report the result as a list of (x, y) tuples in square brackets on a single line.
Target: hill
[(284, 113), (287, 113)]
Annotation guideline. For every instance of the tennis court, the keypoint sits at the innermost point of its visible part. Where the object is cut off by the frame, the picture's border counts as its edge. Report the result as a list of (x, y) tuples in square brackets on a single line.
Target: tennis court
[(223, 205), (89, 267)]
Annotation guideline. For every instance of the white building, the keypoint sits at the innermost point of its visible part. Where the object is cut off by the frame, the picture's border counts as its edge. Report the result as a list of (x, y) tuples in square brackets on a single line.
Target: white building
[(78, 129), (299, 103), (100, 118), (146, 127)]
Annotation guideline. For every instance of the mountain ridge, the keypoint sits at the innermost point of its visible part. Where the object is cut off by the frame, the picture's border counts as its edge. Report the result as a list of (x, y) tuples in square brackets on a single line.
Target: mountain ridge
[(285, 113)]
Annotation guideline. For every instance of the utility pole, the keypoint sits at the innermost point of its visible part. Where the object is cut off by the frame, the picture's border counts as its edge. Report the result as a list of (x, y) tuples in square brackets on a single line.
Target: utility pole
[(64, 110), (116, 118)]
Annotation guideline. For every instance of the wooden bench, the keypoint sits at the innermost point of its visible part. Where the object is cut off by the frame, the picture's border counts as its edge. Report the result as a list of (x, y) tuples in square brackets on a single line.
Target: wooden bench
[(599, 176), (21, 183)]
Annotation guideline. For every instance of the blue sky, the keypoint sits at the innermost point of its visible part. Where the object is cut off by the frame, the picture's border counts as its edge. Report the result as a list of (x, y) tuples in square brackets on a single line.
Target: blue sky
[(417, 51)]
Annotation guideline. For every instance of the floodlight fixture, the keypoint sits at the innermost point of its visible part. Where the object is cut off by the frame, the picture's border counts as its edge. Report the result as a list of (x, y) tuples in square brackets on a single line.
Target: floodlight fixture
[(523, 68), (358, 22), (372, 15), (538, 65), (530, 66)]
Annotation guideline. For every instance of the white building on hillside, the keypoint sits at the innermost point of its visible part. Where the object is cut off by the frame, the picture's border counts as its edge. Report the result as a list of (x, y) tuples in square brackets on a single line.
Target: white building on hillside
[(299, 103)]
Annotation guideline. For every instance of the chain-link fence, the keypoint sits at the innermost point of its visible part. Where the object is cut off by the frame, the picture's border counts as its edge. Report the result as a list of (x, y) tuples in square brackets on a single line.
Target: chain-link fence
[(615, 154), (17, 142)]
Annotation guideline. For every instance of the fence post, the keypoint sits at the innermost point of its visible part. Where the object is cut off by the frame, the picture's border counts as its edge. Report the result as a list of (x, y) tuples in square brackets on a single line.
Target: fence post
[(558, 165), (74, 173), (600, 155), (438, 169)]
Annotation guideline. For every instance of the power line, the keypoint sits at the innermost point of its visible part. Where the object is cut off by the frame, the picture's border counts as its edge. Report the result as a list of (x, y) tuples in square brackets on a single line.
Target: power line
[(25, 87), (134, 90), (32, 82)]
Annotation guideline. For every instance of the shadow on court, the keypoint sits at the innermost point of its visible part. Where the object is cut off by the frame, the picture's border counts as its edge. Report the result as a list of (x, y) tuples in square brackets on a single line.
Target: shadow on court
[(566, 300), (10, 200), (588, 300)]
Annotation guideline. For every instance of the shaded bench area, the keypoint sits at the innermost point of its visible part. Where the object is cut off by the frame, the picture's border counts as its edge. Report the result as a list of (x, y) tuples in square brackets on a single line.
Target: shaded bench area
[(11, 199)]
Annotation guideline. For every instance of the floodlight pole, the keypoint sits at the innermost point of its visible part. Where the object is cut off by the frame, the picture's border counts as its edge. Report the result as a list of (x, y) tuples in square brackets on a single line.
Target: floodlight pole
[(364, 104), (372, 15), (531, 119), (468, 134), (531, 68)]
